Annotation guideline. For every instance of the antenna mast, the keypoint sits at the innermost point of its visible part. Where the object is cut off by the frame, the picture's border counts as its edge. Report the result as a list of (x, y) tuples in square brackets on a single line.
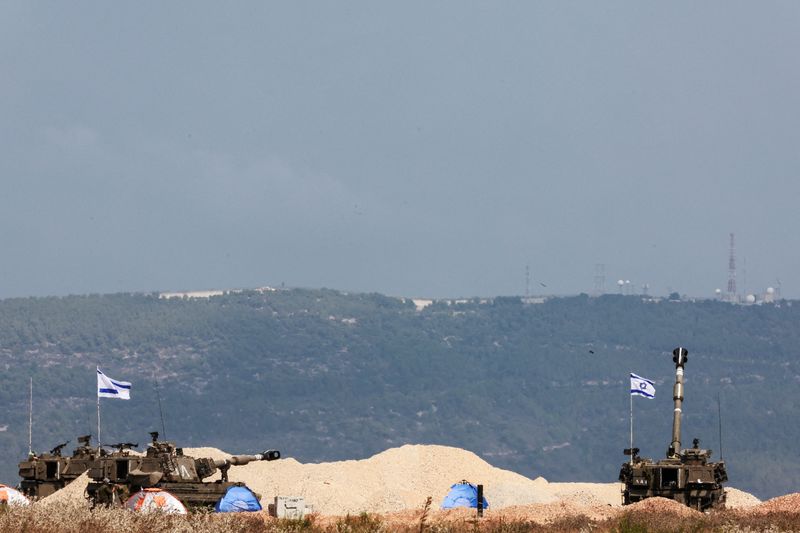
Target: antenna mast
[(30, 420), (160, 410), (527, 281), (599, 279), (719, 418), (732, 272)]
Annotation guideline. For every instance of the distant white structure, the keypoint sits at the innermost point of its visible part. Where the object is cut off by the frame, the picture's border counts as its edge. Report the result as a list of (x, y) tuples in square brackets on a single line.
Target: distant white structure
[(191, 294), (212, 292), (421, 304), (209, 293), (769, 295), (264, 289), (534, 300), (751, 298), (625, 286)]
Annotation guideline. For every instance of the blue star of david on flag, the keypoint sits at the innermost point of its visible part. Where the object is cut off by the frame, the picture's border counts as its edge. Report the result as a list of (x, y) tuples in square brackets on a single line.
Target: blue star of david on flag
[(642, 387)]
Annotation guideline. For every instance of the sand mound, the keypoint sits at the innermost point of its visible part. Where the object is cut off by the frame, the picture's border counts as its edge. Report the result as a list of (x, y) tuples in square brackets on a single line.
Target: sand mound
[(73, 492), (661, 505), (588, 494), (213, 453), (789, 503), (739, 499), (393, 480)]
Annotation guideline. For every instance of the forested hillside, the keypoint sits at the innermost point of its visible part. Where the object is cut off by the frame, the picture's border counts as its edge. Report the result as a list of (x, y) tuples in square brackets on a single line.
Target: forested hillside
[(541, 389)]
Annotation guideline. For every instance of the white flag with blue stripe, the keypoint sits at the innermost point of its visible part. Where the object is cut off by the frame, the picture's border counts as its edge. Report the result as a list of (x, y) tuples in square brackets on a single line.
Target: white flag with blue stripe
[(111, 388), (642, 387)]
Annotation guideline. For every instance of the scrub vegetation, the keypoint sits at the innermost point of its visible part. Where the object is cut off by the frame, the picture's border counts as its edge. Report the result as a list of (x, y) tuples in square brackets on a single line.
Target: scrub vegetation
[(80, 520)]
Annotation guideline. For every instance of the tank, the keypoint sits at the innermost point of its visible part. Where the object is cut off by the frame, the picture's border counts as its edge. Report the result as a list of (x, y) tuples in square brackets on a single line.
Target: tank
[(43, 474), (166, 467), (687, 475)]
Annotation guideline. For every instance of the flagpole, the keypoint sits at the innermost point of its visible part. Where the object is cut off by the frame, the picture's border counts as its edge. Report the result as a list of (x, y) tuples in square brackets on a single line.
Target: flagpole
[(30, 421), (98, 417), (631, 397)]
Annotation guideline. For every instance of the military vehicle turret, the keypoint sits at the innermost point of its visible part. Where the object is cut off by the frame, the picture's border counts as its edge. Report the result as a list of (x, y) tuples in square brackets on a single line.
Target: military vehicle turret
[(166, 467), (43, 474), (686, 476)]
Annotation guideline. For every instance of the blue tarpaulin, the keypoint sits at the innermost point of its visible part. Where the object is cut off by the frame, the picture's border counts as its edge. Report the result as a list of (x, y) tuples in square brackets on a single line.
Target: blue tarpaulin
[(238, 499), (463, 495)]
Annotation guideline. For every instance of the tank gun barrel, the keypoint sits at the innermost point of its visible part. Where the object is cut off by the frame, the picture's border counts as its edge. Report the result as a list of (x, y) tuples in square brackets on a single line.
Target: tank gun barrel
[(240, 460), (679, 357)]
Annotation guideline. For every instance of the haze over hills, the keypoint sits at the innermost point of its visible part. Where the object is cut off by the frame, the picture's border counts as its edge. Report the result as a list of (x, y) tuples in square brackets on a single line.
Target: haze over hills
[(412, 148), (538, 388)]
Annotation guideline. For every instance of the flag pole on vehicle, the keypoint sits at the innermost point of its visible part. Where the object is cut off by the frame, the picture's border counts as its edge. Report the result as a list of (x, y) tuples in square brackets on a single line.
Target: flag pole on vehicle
[(109, 388), (639, 387)]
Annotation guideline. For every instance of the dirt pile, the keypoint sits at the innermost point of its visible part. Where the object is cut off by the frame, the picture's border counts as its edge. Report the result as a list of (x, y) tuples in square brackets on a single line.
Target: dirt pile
[(789, 503), (588, 494), (660, 506), (74, 492), (393, 480), (213, 453), (739, 499)]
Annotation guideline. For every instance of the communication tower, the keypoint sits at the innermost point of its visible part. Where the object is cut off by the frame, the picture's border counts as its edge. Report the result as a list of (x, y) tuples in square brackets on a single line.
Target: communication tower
[(599, 279), (732, 272), (527, 281)]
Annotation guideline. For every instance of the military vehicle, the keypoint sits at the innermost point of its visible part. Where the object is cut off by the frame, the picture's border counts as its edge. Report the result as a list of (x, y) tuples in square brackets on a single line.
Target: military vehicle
[(43, 474), (686, 476), (166, 467)]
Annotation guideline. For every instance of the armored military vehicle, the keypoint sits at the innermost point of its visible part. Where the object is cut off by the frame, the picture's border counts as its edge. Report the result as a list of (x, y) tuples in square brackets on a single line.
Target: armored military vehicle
[(43, 474), (686, 475), (166, 467)]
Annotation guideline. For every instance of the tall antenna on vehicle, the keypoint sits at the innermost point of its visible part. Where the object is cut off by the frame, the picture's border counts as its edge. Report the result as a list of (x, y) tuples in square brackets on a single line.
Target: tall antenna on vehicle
[(160, 410), (30, 420), (719, 418)]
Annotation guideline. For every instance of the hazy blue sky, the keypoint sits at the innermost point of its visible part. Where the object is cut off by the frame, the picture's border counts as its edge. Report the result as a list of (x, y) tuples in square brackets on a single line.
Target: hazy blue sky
[(412, 148)]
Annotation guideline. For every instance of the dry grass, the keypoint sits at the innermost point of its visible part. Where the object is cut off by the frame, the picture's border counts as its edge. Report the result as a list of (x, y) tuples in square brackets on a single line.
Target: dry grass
[(76, 518), (729, 521)]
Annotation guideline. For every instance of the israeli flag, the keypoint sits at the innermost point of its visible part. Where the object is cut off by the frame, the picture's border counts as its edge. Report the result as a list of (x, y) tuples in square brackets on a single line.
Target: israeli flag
[(111, 388), (642, 386)]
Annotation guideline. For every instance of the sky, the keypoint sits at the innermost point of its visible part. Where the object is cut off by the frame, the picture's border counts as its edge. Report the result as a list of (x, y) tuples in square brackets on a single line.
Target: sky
[(422, 149)]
